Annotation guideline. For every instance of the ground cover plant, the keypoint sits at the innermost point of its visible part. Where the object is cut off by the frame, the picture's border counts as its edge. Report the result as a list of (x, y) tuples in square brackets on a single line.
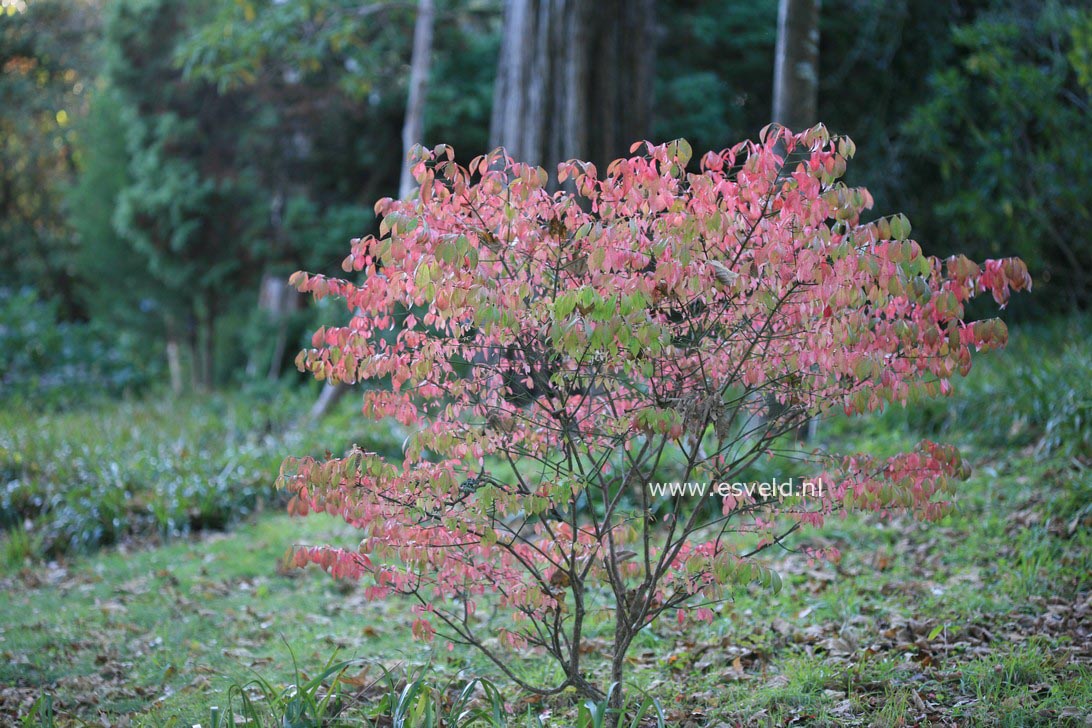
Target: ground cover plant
[(108, 472), (556, 352)]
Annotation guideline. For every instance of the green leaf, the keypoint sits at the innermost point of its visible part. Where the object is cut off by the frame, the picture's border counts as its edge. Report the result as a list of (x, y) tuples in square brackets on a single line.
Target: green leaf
[(588, 297), (564, 305), (686, 153), (900, 227), (423, 277)]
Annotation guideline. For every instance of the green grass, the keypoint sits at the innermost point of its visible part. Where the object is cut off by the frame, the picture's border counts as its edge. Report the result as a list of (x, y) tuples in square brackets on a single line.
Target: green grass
[(975, 620), (189, 618), (913, 611)]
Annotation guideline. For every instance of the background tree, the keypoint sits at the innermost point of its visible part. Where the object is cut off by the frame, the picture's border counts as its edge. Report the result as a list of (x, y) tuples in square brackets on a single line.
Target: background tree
[(47, 72), (420, 61), (713, 62), (412, 130), (796, 90), (189, 208), (882, 62), (295, 87), (335, 76), (796, 64), (312, 69), (312, 96), (996, 134), (574, 80)]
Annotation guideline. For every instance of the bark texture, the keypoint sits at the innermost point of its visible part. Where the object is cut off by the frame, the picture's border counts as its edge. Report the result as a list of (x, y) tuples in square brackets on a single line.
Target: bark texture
[(796, 64), (414, 123), (574, 79)]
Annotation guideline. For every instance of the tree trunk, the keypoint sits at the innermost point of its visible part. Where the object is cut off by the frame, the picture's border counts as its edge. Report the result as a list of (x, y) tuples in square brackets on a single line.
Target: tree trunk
[(174, 357), (795, 102), (276, 302), (204, 365), (193, 348), (574, 80), (617, 688), (412, 133), (414, 124), (796, 64)]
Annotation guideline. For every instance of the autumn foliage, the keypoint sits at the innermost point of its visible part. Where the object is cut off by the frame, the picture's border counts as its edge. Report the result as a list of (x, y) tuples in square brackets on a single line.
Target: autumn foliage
[(556, 345)]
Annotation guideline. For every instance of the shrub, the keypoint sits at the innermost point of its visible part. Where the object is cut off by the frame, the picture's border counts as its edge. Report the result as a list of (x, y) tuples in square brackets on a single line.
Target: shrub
[(557, 352), (47, 362)]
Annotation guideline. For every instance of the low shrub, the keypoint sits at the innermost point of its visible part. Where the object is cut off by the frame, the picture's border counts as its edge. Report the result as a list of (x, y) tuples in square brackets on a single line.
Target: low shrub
[(75, 480), (48, 363)]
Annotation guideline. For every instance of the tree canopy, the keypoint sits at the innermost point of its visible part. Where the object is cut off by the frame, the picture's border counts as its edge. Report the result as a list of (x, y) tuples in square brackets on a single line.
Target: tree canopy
[(159, 158)]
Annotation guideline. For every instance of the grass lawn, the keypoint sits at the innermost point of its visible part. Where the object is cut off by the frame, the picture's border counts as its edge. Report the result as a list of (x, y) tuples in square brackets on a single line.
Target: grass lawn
[(984, 618), (160, 631)]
